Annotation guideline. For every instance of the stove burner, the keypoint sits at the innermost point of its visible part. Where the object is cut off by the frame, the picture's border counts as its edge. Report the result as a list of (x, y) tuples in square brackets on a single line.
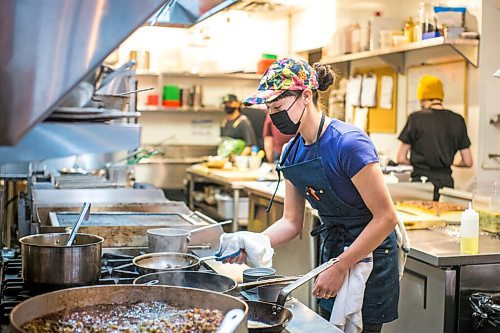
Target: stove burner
[(115, 269)]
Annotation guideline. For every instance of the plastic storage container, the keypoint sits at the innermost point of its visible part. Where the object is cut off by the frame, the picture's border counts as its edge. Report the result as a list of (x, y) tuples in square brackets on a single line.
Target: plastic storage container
[(486, 200), (225, 206), (469, 231), (171, 96), (266, 61)]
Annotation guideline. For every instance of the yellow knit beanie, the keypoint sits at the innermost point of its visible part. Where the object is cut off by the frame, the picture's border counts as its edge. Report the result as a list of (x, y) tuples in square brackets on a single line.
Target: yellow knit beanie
[(430, 87)]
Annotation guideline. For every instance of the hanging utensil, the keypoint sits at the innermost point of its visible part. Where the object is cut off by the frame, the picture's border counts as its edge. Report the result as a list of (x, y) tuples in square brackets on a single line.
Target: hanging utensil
[(84, 216), (134, 91)]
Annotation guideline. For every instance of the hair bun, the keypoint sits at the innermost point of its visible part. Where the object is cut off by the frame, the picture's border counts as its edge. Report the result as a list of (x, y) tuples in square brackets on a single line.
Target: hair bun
[(326, 75)]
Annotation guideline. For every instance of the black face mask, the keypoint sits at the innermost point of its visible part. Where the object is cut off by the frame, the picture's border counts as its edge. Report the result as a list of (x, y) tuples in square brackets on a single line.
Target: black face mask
[(229, 110), (282, 120)]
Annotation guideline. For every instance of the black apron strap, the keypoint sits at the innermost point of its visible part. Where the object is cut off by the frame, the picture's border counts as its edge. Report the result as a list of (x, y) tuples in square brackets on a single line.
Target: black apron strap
[(287, 152)]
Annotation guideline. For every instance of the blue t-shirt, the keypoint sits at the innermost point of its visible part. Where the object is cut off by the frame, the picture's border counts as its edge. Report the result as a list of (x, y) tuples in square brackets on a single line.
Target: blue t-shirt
[(345, 150)]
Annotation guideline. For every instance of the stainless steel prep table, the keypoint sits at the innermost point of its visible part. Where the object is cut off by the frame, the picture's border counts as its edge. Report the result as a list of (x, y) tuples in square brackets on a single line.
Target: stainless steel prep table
[(232, 180), (438, 281)]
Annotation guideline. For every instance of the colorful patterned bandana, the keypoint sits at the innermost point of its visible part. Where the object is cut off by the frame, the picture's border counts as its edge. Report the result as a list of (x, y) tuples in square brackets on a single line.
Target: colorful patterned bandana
[(284, 74)]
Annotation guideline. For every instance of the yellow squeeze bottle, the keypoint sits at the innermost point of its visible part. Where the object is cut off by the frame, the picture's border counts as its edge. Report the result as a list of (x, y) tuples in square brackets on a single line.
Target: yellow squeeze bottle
[(469, 231)]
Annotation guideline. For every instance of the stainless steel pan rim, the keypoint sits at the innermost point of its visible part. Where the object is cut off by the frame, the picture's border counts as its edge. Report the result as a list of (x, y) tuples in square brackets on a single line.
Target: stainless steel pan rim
[(28, 240), (187, 261), (71, 298)]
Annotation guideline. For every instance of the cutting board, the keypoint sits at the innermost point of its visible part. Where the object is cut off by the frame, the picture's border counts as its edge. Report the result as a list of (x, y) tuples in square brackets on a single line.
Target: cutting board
[(415, 221)]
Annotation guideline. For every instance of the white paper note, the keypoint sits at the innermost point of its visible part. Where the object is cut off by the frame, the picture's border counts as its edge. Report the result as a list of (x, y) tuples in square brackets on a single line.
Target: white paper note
[(361, 118), (354, 90), (369, 91), (386, 87)]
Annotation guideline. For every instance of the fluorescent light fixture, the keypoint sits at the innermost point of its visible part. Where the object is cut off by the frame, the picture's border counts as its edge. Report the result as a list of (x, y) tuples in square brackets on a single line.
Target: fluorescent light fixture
[(497, 73)]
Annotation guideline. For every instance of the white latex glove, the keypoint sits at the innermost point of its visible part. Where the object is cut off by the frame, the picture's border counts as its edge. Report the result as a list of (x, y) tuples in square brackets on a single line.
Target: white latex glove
[(256, 245)]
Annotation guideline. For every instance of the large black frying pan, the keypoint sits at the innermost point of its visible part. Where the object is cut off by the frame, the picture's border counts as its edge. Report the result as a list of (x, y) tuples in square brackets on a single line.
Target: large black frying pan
[(262, 316), (204, 280)]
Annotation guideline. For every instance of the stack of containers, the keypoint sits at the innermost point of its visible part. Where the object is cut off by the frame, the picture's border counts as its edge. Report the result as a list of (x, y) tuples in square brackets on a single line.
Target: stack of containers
[(266, 61), (171, 96)]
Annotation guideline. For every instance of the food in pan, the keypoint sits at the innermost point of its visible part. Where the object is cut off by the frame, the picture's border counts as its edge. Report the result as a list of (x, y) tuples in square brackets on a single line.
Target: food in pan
[(432, 207), (252, 324), (137, 317)]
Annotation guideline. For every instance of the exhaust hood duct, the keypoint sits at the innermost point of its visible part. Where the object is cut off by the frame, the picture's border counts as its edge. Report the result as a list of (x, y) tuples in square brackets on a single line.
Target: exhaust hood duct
[(186, 13), (48, 46)]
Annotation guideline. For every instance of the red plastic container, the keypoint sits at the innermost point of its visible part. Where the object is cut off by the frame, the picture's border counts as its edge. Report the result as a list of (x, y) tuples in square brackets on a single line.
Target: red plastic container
[(266, 61), (171, 104)]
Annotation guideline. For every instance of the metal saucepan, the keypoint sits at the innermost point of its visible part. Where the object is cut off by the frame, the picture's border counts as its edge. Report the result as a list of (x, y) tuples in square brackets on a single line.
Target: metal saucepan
[(167, 261), (204, 280), (177, 239), (73, 298), (273, 317), (48, 263)]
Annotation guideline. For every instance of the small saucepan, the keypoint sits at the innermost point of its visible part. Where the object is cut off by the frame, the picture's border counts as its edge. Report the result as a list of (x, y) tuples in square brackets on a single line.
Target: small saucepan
[(180, 240), (273, 317)]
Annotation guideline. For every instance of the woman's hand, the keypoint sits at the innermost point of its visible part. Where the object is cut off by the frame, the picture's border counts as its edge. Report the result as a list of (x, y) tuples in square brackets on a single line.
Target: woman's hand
[(239, 259), (329, 282)]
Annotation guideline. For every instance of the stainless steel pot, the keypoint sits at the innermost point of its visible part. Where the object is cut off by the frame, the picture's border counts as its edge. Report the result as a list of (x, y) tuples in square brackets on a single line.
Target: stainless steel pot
[(48, 263)]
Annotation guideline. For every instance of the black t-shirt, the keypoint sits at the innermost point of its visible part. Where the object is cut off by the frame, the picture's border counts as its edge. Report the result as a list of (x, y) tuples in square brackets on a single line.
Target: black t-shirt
[(435, 137), (239, 128)]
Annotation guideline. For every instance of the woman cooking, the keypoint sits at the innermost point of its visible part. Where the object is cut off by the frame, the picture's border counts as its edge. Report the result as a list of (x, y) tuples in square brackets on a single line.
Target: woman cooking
[(334, 166)]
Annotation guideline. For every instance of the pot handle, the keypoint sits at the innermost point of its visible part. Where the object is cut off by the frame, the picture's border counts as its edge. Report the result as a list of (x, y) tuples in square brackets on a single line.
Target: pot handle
[(294, 285), (231, 321), (152, 283)]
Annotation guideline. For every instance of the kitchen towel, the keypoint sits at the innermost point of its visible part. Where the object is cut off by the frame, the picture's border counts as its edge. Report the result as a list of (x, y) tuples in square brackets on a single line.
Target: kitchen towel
[(346, 312), (257, 246), (403, 245)]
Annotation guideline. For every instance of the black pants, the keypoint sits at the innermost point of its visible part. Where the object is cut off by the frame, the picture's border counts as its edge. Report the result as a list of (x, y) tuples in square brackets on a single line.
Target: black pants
[(367, 328), (439, 181)]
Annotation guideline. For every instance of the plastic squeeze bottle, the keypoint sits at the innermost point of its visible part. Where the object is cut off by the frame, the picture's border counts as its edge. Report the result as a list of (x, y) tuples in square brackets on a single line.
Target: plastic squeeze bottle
[(469, 231)]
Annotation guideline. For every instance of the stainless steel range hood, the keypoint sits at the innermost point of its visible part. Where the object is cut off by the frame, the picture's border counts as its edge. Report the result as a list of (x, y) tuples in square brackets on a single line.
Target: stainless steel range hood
[(48, 46), (185, 13)]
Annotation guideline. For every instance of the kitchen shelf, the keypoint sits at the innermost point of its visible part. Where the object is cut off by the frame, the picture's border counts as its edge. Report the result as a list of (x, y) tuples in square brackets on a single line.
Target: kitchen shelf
[(394, 55), (231, 76), (161, 109)]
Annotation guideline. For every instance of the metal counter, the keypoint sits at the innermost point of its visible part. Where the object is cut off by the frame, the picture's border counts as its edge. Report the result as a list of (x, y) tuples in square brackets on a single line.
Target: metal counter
[(441, 248)]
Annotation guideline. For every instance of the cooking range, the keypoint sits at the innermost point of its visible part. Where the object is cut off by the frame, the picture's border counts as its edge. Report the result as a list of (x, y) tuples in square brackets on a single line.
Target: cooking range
[(117, 268)]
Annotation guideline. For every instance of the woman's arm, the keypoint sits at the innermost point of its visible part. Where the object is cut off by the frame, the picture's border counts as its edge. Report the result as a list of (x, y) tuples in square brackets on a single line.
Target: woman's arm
[(286, 228), (466, 159), (370, 185), (402, 156), (292, 221), (269, 148)]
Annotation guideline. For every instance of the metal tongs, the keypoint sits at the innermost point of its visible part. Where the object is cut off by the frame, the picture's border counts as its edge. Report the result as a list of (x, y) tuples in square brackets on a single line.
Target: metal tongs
[(84, 216)]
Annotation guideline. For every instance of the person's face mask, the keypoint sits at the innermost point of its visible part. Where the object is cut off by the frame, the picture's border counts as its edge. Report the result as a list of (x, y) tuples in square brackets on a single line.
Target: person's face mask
[(284, 123), (229, 109)]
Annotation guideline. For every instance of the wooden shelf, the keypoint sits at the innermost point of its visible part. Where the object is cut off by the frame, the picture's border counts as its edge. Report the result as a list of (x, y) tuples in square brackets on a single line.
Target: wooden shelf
[(394, 55), (162, 109), (226, 76)]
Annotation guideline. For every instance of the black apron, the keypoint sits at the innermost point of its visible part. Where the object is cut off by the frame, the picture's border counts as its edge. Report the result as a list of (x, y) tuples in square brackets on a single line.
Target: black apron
[(340, 224)]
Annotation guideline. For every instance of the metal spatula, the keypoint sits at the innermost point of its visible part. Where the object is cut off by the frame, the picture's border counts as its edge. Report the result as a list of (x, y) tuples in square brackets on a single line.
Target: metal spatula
[(84, 216)]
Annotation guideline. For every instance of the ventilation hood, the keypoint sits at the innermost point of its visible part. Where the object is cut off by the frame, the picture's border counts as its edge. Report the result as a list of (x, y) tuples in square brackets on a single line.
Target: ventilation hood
[(186, 13), (48, 46)]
